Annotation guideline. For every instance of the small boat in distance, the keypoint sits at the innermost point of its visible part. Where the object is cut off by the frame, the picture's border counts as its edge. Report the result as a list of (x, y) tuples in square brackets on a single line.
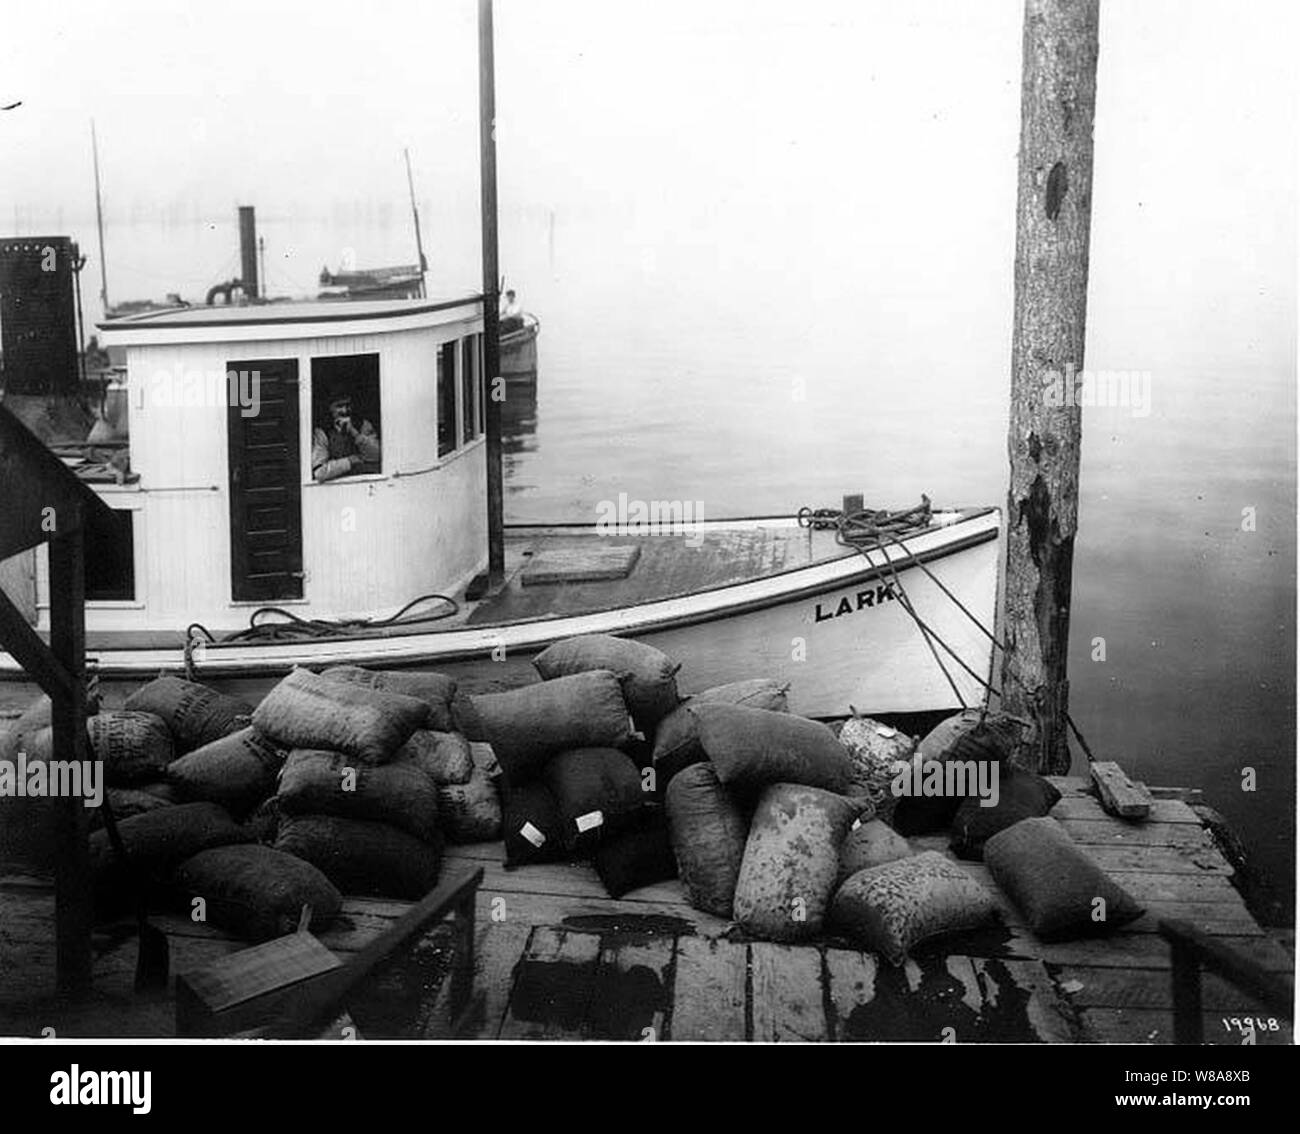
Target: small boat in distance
[(403, 282), (519, 349)]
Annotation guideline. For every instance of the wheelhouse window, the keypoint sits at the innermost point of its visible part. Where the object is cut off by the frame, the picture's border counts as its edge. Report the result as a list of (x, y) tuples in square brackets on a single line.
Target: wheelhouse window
[(446, 398), (346, 426), (469, 368), (110, 560)]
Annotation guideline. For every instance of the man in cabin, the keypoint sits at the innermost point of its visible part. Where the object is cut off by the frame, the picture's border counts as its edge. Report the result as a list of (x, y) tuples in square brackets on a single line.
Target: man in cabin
[(512, 315), (344, 447)]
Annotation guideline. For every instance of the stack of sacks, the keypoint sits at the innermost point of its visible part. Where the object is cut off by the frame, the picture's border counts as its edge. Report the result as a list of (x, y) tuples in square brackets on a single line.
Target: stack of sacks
[(677, 737), (757, 827), (571, 789), (876, 750), (353, 800), (175, 742), (972, 739)]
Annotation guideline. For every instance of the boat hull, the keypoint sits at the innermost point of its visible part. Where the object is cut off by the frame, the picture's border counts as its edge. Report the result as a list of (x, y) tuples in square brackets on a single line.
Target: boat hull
[(518, 352), (837, 631)]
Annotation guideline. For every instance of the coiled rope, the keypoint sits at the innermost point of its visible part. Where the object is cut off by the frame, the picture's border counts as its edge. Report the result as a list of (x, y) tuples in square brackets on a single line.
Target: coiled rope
[(289, 627)]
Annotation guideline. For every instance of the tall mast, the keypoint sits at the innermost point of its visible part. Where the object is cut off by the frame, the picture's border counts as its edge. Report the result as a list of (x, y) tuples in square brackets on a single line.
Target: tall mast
[(99, 217), (415, 212), (493, 388)]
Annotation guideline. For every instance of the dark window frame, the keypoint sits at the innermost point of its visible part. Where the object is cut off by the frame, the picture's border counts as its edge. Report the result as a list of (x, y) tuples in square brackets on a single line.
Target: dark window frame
[(368, 406), (123, 588)]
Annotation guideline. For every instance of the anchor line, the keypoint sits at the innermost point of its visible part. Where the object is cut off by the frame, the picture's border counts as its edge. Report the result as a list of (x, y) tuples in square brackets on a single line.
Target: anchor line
[(872, 529)]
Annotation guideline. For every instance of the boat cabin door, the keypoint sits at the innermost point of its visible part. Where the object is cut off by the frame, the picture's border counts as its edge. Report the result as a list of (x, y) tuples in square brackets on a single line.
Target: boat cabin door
[(265, 481)]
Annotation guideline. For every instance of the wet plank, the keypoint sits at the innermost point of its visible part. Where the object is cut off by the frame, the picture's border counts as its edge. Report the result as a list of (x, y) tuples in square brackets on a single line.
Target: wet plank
[(554, 986), (709, 990), (634, 989), (1158, 860), (787, 993), (851, 978), (1048, 1016)]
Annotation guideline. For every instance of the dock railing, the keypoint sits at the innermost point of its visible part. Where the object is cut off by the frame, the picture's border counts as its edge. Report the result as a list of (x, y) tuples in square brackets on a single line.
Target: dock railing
[(1190, 951), (326, 1000)]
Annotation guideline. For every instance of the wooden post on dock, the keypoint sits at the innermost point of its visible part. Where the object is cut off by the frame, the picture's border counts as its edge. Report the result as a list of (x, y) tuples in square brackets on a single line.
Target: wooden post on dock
[(493, 387), (1053, 211)]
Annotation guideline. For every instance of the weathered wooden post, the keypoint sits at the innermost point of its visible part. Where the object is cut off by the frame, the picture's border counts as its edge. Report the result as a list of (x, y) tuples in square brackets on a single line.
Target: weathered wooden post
[(1053, 211)]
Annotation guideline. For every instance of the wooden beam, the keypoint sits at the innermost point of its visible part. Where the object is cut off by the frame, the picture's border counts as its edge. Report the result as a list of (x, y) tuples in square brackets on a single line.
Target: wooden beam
[(1118, 794), (29, 651), (324, 1000), (74, 914), (1053, 213)]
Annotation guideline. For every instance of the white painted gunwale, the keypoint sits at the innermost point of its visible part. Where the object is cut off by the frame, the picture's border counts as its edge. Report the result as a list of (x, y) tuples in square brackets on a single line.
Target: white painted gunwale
[(458, 643)]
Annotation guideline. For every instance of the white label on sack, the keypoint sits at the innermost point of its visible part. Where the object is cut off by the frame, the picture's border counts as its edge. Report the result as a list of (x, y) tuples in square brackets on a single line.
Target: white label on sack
[(885, 730), (532, 834), (590, 820), (856, 824)]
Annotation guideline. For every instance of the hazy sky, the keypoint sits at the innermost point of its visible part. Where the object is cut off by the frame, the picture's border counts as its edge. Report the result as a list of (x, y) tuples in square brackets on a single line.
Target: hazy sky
[(867, 146)]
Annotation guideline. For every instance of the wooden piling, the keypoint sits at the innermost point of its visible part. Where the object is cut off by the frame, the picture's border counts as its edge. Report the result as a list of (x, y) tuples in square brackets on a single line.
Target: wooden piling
[(1053, 212)]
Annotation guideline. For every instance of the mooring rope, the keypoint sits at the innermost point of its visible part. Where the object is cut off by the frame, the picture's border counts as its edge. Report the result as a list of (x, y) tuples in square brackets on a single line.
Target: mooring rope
[(295, 628), (869, 530)]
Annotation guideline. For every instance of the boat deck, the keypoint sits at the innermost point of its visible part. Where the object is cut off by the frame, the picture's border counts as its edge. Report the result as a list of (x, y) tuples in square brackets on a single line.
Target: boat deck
[(556, 958), (666, 566)]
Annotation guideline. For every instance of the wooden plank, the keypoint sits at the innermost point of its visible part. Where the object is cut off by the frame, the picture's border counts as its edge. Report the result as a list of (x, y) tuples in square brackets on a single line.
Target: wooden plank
[(634, 989), (553, 989), (1145, 988), (1134, 950), (1071, 785), (1162, 810), (500, 939), (1119, 795), (1110, 832), (1146, 886), (1158, 860), (580, 565), (851, 981), (1156, 1026), (787, 993), (709, 990)]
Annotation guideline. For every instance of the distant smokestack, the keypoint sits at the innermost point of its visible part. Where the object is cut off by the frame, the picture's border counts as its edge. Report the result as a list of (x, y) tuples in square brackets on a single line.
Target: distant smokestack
[(248, 251)]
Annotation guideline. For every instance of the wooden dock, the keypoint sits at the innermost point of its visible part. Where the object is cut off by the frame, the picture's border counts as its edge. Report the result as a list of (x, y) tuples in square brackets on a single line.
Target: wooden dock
[(558, 959)]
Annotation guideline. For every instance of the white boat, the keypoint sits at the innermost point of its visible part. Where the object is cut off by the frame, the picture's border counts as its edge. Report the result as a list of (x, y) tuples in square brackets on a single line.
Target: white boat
[(225, 518), (519, 349)]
